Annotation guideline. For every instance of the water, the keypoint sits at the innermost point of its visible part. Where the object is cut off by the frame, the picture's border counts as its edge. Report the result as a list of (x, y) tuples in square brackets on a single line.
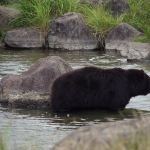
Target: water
[(29, 129)]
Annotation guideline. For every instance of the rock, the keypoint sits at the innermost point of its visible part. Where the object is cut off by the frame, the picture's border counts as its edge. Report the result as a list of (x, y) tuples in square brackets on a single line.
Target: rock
[(134, 51), (99, 137), (32, 88), (117, 7), (71, 32), (123, 32), (119, 40), (138, 52), (24, 38), (7, 15)]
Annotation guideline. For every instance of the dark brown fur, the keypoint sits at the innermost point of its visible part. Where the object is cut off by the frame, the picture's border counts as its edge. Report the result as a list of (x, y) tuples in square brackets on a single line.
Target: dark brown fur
[(95, 88)]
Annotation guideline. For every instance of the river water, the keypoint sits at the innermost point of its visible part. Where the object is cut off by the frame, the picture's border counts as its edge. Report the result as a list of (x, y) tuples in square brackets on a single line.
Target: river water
[(30, 129)]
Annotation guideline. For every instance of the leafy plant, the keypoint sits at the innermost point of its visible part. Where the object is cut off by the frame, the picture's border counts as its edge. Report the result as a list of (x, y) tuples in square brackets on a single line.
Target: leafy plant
[(139, 17), (99, 20), (35, 13), (60, 7)]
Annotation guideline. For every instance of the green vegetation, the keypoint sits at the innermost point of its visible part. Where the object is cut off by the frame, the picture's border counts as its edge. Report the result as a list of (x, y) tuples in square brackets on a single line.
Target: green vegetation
[(139, 17), (34, 13), (99, 20), (38, 13)]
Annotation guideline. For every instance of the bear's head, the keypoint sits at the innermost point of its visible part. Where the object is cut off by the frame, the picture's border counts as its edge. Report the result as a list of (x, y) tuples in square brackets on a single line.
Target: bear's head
[(139, 82)]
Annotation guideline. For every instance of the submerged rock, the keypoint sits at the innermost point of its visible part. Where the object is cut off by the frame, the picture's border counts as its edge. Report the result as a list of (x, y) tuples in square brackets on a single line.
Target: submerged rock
[(24, 38), (71, 32), (32, 87)]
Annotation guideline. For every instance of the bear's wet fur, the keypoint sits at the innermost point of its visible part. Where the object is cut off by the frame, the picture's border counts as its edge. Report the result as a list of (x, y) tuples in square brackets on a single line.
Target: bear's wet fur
[(96, 88)]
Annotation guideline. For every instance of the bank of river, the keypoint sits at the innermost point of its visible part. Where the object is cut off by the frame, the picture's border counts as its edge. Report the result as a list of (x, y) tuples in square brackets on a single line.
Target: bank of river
[(27, 129)]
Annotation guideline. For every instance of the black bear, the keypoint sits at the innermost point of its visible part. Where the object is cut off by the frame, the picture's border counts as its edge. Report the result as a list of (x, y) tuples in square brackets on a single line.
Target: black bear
[(96, 88)]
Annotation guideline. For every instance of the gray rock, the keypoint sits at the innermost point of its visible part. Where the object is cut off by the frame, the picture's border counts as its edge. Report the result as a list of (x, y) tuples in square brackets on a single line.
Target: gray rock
[(71, 32), (117, 7), (133, 51), (32, 88), (122, 32), (7, 15), (98, 137), (119, 41), (138, 52), (24, 38)]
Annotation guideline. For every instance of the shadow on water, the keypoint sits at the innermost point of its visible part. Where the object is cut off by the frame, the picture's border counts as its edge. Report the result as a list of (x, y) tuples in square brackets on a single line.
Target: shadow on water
[(75, 119)]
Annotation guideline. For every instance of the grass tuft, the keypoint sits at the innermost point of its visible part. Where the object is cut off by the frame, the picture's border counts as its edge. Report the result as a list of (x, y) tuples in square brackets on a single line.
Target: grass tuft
[(38, 13)]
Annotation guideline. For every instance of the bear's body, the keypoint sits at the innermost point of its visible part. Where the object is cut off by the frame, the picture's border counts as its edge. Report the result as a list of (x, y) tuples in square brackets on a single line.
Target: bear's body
[(95, 88)]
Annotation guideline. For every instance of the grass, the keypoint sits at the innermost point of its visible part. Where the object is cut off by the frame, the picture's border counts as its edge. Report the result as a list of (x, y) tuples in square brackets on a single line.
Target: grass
[(139, 17), (99, 20), (60, 7), (35, 13), (38, 13)]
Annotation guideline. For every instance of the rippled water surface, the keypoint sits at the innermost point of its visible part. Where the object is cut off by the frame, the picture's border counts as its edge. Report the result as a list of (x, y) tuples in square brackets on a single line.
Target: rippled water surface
[(41, 129)]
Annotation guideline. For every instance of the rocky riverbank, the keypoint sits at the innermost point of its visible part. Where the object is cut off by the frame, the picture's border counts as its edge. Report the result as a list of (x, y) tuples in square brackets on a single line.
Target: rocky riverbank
[(71, 32)]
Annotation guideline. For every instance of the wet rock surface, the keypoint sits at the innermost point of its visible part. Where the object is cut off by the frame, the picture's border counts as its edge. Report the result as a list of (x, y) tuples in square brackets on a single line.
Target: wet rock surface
[(133, 51), (32, 88)]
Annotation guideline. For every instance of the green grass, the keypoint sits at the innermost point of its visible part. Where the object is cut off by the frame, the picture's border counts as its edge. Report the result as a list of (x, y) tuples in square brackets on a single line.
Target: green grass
[(99, 20), (35, 13), (38, 13), (139, 17), (60, 7)]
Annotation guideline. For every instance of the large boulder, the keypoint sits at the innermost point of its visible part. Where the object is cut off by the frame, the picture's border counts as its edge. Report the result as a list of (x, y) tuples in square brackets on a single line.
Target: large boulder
[(120, 41), (7, 15), (32, 88), (117, 7), (71, 32), (24, 38), (106, 136), (133, 51), (122, 32)]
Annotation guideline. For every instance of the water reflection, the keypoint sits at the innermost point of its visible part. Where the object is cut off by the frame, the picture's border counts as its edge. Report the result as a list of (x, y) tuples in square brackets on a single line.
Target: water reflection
[(27, 129)]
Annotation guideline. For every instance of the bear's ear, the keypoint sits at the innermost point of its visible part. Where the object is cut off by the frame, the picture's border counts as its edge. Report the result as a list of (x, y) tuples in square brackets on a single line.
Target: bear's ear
[(135, 75), (140, 75), (142, 71)]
